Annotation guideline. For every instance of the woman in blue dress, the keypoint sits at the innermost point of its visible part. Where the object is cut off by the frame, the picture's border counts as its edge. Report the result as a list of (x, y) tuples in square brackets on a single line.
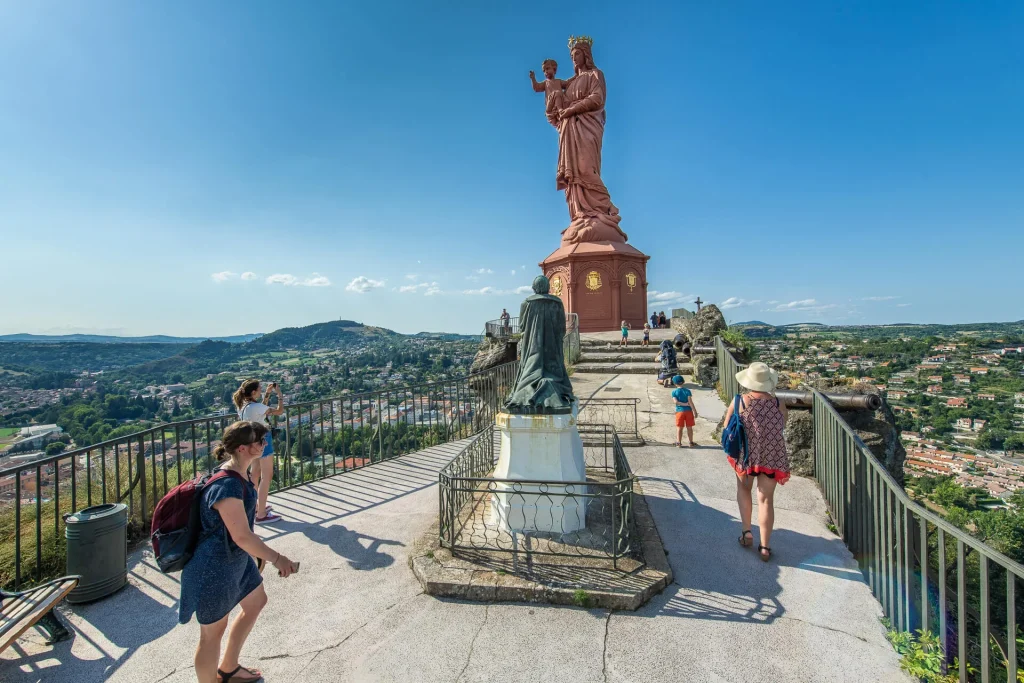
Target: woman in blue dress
[(223, 573)]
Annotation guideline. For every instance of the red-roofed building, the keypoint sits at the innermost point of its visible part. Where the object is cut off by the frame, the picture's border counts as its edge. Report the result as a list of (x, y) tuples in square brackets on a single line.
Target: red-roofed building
[(957, 402)]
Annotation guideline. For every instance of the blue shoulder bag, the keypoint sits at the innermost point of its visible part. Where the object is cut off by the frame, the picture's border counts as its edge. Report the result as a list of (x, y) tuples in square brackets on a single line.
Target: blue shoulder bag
[(734, 437)]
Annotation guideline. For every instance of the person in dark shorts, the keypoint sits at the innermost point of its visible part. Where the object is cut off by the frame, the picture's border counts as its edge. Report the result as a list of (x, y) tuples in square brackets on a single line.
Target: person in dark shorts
[(222, 573)]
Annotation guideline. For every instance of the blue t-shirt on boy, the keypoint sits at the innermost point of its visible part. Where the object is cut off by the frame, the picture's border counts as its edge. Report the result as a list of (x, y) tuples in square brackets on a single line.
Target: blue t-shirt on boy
[(681, 394)]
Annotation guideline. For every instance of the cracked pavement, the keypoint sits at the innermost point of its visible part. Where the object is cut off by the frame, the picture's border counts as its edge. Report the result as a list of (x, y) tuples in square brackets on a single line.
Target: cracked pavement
[(356, 613)]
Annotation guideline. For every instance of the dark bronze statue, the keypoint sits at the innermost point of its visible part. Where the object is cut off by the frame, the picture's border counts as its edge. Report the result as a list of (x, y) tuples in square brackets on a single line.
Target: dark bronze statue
[(542, 387)]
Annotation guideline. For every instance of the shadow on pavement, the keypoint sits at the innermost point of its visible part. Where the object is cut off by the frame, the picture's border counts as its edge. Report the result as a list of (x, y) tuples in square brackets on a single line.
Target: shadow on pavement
[(715, 577), (113, 629), (345, 543)]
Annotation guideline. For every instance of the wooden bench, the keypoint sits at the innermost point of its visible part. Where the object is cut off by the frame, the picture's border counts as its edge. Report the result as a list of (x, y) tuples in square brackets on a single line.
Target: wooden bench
[(20, 611)]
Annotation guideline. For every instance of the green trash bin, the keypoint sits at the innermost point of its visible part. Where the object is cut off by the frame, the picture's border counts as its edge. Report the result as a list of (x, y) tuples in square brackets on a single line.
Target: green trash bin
[(97, 539)]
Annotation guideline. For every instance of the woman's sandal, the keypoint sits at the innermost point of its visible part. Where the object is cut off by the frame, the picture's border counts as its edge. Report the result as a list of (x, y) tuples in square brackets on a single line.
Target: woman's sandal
[(747, 542), (225, 677), (761, 549)]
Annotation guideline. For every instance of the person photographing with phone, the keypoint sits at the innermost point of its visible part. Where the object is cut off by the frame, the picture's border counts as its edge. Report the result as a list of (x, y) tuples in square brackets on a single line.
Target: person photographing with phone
[(253, 405), (223, 573)]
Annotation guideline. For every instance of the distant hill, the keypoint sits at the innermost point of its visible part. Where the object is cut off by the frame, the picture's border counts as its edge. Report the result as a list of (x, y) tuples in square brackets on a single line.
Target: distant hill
[(334, 333), (751, 323), (110, 339)]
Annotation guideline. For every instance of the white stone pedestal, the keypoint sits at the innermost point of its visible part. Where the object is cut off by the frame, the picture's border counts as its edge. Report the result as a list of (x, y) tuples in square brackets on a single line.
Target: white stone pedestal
[(539, 448)]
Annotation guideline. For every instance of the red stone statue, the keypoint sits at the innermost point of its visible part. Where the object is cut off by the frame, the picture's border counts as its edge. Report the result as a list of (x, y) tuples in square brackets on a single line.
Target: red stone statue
[(595, 273)]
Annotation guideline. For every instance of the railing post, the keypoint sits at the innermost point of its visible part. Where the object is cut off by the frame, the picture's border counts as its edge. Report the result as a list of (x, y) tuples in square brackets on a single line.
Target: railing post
[(141, 473)]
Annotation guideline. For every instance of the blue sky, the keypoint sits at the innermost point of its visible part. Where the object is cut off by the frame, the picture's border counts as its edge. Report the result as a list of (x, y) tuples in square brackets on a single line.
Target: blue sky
[(219, 168)]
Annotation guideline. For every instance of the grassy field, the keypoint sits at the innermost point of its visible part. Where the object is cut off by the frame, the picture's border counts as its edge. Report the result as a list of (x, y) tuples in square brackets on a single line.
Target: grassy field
[(8, 431)]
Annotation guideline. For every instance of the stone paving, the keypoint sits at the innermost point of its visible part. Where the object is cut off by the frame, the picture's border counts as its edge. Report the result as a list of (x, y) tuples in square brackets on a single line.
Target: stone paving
[(355, 612)]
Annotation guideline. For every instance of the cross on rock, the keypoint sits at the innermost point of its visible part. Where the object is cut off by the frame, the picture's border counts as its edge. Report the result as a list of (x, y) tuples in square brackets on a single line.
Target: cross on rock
[(698, 302)]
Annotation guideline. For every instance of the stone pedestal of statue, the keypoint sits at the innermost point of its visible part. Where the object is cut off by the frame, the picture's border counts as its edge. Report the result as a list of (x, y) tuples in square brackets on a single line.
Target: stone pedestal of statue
[(539, 448), (604, 283)]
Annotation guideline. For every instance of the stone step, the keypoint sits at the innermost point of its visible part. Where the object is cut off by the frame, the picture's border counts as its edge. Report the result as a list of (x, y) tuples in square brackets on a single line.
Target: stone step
[(615, 357), (632, 348), (628, 368)]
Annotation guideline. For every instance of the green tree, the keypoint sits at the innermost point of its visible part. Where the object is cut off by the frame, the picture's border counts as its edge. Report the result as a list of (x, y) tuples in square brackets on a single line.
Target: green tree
[(55, 447)]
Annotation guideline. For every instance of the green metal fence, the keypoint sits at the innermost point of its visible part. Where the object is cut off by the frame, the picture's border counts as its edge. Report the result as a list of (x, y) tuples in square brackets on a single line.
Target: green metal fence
[(318, 439), (926, 573), (727, 369)]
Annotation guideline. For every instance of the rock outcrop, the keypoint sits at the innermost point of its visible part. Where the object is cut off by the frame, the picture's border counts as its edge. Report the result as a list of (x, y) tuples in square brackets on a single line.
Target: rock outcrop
[(492, 353), (702, 328), (705, 370), (877, 429)]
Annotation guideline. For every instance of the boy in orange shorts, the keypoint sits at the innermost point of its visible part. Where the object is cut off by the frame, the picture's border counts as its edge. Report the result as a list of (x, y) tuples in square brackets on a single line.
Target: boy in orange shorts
[(686, 411)]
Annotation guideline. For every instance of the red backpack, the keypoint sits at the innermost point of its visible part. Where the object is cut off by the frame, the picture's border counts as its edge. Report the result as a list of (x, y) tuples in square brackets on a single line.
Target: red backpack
[(176, 521)]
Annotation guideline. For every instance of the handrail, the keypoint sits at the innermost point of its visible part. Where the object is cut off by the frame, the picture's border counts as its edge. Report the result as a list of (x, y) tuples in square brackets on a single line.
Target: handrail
[(139, 468), (910, 503)]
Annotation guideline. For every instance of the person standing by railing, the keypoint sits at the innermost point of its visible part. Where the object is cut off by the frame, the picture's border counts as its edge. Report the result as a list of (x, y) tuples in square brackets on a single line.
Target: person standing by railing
[(764, 420), (250, 407), (223, 572)]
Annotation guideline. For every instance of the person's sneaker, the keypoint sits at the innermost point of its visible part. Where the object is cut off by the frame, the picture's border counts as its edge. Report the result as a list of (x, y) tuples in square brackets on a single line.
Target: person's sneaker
[(271, 517)]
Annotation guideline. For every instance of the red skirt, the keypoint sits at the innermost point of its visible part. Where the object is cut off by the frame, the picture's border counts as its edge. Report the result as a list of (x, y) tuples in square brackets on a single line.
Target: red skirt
[(753, 470)]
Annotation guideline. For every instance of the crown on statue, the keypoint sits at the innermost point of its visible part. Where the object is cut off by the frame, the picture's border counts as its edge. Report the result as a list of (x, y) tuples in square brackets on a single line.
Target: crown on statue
[(580, 40)]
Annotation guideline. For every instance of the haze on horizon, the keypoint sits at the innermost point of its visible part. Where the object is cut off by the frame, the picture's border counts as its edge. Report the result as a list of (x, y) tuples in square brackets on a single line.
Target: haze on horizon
[(195, 170)]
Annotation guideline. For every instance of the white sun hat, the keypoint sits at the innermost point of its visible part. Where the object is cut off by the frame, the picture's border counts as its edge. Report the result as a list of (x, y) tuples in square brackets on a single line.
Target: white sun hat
[(758, 377)]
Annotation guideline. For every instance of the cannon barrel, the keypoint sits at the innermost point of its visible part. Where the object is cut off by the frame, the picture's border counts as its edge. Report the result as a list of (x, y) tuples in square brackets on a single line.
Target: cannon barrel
[(805, 399), (695, 350)]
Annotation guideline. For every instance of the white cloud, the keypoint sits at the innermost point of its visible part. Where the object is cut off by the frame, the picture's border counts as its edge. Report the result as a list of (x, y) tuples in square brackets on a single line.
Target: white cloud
[(248, 275), (481, 291), (282, 279), (880, 298), (523, 290), (484, 271), (810, 305), (289, 280), (472, 278), (433, 290), (412, 276), (654, 295), (736, 302), (411, 289), (223, 276), (316, 280), (902, 305), (513, 271), (772, 302), (363, 284)]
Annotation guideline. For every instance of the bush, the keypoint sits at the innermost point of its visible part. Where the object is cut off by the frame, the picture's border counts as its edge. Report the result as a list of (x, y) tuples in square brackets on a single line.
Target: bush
[(55, 448)]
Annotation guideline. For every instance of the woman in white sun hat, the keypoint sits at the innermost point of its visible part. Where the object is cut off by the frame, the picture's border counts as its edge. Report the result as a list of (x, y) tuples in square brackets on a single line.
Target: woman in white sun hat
[(763, 418)]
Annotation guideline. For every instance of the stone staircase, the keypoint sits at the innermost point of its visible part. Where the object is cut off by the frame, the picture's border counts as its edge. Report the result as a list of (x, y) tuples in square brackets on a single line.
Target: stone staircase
[(610, 358)]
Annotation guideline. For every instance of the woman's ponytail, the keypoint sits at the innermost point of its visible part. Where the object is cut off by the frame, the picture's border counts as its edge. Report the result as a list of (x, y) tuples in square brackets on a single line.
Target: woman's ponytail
[(248, 386)]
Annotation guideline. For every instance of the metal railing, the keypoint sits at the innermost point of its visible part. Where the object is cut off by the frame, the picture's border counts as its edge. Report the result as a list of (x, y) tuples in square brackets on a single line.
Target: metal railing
[(620, 413), (319, 439), (501, 329), (591, 519), (727, 369), (333, 435), (504, 329), (926, 573), (136, 470)]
